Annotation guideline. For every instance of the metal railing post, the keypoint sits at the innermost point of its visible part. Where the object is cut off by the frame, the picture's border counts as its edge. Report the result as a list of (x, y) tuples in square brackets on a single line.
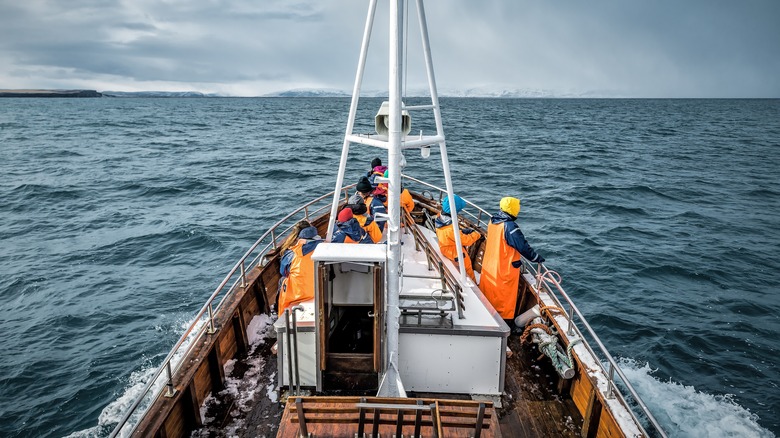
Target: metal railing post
[(211, 329), (295, 348), (243, 274), (611, 382), (441, 276), (170, 391), (288, 351), (570, 330)]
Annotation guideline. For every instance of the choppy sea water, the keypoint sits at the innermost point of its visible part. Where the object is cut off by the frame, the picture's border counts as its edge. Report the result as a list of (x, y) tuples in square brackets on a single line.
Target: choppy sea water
[(118, 217)]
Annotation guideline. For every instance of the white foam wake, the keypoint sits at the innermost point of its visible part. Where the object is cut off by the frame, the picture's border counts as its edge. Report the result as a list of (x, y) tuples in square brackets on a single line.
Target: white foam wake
[(114, 411), (684, 411)]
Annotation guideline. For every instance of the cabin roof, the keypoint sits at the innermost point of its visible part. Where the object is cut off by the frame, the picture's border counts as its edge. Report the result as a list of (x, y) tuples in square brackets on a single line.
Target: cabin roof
[(350, 252)]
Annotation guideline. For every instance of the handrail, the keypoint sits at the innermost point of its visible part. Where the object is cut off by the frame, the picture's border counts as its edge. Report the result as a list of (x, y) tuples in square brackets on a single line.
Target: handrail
[(447, 278), (548, 278), (544, 280), (209, 308)]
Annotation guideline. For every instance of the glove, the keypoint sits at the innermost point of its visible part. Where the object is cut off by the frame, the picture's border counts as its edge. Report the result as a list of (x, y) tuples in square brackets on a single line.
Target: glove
[(517, 264), (539, 259), (467, 231)]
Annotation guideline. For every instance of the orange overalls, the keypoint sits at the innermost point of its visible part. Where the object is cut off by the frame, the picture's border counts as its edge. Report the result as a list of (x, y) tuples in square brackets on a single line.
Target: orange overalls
[(499, 279), (299, 285), (446, 237)]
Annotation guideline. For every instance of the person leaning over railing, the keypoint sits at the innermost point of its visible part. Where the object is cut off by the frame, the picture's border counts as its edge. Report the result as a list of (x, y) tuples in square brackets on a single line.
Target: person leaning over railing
[(297, 267), (501, 262), (445, 234)]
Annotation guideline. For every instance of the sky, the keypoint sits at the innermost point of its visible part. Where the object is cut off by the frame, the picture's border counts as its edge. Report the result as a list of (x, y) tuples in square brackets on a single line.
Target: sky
[(615, 48)]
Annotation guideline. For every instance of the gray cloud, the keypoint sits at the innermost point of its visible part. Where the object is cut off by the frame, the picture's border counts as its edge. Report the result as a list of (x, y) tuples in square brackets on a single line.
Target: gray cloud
[(648, 49)]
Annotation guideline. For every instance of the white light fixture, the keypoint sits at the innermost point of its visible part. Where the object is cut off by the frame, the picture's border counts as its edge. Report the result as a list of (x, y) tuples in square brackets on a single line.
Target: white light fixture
[(425, 151)]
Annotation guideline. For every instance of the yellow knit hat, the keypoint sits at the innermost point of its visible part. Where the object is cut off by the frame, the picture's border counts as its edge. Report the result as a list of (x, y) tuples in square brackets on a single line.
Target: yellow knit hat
[(510, 205)]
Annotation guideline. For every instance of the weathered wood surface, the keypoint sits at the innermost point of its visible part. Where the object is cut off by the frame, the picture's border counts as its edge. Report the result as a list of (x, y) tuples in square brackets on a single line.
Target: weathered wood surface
[(340, 417), (532, 407)]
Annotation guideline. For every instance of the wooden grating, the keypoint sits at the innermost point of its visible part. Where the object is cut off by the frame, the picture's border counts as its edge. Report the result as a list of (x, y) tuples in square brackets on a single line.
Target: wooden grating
[(341, 417)]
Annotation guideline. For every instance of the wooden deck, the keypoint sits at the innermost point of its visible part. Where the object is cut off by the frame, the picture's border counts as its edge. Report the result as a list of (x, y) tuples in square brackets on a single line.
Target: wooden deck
[(532, 406)]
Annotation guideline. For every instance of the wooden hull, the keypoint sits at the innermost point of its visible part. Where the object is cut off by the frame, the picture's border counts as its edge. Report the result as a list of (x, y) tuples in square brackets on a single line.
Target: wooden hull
[(537, 403)]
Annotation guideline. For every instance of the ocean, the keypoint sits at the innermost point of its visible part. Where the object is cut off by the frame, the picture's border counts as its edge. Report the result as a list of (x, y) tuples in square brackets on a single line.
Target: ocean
[(120, 216)]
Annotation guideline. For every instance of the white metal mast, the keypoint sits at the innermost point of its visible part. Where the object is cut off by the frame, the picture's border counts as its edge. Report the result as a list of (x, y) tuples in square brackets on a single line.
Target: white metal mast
[(395, 140), (391, 385)]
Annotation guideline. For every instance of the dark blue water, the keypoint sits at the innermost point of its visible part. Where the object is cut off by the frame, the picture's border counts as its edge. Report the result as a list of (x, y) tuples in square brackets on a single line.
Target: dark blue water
[(118, 217)]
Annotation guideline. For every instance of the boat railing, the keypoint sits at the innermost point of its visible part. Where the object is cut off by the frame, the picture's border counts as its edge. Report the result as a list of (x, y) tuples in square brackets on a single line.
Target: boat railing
[(203, 322), (481, 218), (550, 282)]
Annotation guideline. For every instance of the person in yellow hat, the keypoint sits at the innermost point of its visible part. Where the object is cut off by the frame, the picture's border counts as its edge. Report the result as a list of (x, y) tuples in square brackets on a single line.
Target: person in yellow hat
[(501, 262)]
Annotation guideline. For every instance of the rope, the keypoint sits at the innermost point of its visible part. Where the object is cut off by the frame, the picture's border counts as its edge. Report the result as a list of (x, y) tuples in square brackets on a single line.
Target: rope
[(571, 345), (551, 309), (527, 331)]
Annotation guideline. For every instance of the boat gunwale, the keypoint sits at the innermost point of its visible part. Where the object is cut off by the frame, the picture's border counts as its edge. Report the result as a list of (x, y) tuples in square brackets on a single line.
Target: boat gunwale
[(543, 280)]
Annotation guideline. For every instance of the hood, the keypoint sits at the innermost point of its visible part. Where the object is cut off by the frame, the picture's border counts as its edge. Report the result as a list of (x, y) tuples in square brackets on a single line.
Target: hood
[(442, 220), (502, 216)]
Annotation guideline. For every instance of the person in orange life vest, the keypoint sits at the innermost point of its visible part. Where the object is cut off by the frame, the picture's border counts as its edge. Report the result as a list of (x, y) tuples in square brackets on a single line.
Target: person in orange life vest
[(359, 212), (501, 262), (297, 267), (348, 229), (407, 202), (374, 204), (445, 233)]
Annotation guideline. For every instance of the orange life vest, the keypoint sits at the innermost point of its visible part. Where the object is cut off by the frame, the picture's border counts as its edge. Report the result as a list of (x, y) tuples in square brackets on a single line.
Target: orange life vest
[(446, 237), (372, 229), (499, 279), (407, 202), (299, 285)]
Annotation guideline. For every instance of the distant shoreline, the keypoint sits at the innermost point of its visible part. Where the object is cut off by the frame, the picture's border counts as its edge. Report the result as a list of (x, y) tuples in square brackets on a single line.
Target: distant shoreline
[(50, 93), (37, 93)]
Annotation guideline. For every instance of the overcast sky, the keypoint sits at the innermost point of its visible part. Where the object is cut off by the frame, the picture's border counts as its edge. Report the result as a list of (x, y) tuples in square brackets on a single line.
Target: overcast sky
[(639, 48)]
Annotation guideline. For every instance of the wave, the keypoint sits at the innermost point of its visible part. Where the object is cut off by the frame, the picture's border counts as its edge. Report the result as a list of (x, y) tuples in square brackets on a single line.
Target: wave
[(151, 248), (32, 191), (111, 415), (684, 411)]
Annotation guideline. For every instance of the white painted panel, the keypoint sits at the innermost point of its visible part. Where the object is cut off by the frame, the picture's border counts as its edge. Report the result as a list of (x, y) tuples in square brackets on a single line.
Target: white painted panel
[(353, 289), (307, 369), (450, 364), (350, 252)]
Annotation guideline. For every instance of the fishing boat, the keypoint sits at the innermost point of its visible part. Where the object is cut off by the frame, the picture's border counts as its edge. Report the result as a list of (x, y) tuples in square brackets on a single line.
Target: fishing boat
[(396, 340)]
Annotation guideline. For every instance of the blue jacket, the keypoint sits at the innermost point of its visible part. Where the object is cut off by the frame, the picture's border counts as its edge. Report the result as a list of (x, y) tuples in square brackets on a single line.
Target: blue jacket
[(352, 229), (515, 238), (378, 206)]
